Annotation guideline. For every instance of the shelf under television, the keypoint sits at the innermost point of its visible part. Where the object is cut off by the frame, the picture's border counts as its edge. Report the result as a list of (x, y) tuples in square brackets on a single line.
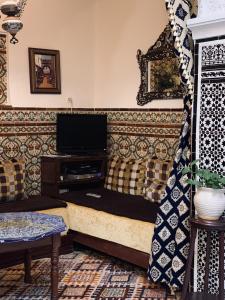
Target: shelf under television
[(77, 181)]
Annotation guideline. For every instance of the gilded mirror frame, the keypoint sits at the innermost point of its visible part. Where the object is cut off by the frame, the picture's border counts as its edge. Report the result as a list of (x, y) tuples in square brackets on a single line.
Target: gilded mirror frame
[(159, 69)]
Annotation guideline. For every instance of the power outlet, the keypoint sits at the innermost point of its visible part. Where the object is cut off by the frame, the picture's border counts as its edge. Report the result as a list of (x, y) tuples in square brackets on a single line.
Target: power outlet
[(70, 100)]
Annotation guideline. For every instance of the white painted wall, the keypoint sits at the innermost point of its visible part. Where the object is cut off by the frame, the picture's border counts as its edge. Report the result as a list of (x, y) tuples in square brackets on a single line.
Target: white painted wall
[(55, 24), (122, 27), (98, 41)]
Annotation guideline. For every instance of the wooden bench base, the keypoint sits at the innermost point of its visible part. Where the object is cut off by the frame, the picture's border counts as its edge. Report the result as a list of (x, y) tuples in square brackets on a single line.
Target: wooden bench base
[(130, 255)]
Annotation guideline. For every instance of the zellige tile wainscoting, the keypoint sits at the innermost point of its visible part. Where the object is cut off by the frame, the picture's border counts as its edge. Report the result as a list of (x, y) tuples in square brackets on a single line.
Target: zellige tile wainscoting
[(30, 132)]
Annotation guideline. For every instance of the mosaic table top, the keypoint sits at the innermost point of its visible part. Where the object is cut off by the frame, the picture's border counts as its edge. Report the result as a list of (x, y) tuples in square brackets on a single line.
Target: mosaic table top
[(28, 226)]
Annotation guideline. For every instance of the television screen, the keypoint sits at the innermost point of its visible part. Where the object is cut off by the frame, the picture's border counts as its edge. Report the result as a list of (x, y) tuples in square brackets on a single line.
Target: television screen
[(81, 133)]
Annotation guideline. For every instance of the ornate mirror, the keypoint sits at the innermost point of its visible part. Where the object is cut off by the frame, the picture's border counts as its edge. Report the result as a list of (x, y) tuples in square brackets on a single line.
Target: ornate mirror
[(159, 68)]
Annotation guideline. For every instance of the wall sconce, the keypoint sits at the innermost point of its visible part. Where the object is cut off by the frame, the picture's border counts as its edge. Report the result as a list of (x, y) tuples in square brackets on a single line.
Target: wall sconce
[(12, 23)]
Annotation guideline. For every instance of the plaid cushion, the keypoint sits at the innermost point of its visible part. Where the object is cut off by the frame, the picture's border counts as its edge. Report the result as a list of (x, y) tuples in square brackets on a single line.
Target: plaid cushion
[(155, 191), (157, 174), (126, 175), (158, 169), (12, 173)]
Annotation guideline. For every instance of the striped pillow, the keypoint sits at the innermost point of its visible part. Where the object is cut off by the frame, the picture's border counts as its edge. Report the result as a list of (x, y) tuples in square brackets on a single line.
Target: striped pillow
[(157, 174), (126, 175), (12, 175)]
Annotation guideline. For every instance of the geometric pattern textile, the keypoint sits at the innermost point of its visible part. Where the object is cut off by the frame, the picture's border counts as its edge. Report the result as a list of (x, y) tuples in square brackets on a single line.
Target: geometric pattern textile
[(156, 177), (158, 169), (170, 242), (12, 175), (154, 191), (179, 12), (126, 175), (82, 275)]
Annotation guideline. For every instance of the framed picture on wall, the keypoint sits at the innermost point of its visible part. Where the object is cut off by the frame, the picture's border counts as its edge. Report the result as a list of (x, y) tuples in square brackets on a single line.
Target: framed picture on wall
[(160, 78), (44, 65)]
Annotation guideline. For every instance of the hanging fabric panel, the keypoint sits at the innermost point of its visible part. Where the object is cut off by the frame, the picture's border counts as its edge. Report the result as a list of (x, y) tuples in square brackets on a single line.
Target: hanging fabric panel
[(171, 237)]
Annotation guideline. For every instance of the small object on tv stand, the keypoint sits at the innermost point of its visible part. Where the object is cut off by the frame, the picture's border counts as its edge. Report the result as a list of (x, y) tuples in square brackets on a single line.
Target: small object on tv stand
[(57, 155), (93, 195), (63, 191), (81, 176)]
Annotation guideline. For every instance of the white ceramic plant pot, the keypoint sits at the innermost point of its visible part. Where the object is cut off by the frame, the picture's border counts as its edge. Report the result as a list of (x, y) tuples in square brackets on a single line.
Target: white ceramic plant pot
[(209, 203)]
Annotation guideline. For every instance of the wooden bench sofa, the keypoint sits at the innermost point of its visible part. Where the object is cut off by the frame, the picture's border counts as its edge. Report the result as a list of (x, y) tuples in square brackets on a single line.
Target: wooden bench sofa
[(117, 223)]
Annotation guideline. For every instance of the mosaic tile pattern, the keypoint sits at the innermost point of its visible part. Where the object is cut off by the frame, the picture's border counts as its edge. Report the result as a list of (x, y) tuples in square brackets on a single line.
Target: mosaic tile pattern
[(211, 139), (213, 54), (3, 69), (138, 134), (82, 275)]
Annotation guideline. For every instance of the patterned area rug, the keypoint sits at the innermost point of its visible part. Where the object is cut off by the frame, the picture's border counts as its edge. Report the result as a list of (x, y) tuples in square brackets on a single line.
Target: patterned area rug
[(83, 275)]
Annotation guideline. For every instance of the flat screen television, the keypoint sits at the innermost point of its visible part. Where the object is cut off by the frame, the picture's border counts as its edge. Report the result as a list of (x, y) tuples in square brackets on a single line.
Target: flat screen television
[(81, 133)]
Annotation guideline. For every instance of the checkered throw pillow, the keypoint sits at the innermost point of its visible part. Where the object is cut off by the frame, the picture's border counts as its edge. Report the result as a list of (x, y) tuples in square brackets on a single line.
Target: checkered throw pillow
[(157, 174), (12, 173), (126, 175)]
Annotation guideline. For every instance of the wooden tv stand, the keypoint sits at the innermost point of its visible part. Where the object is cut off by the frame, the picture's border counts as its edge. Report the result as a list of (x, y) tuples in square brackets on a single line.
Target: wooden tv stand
[(60, 173)]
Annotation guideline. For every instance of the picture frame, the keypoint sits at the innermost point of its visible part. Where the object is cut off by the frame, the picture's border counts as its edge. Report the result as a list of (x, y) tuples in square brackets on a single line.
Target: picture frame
[(159, 69), (44, 67)]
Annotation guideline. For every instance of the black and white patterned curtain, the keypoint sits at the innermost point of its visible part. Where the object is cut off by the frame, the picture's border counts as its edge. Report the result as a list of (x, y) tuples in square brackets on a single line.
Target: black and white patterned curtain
[(170, 242)]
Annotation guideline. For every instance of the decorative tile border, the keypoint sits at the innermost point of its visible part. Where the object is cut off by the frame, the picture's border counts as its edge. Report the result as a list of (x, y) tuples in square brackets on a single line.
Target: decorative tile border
[(3, 68), (131, 133)]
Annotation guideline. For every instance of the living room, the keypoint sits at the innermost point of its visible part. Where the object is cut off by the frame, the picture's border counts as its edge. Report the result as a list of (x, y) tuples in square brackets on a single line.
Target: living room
[(99, 47)]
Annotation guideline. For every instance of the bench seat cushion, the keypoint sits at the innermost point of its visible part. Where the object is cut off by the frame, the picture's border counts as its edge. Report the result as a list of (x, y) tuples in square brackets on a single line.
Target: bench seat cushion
[(128, 232), (33, 203), (130, 206)]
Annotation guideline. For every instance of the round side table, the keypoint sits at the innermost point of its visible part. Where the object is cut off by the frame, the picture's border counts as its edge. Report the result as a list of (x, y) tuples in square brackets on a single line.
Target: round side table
[(27, 230), (208, 226)]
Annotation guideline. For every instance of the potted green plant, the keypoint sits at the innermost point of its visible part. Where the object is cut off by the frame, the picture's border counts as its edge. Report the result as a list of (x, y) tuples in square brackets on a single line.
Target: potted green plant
[(209, 198)]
